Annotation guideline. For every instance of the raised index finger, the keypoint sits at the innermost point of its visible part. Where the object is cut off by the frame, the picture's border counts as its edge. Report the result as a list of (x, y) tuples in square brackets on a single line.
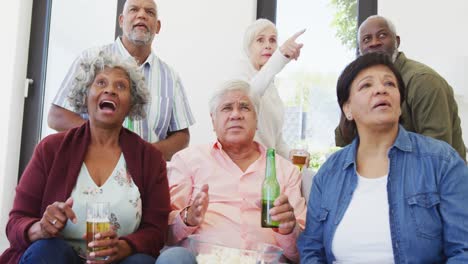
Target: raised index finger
[(295, 36), (68, 211)]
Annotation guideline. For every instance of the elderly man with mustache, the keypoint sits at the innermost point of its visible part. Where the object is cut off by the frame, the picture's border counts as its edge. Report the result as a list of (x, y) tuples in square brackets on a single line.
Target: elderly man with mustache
[(168, 113)]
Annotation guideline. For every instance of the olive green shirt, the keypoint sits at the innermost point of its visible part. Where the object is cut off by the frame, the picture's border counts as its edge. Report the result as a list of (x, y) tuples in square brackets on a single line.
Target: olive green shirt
[(429, 108)]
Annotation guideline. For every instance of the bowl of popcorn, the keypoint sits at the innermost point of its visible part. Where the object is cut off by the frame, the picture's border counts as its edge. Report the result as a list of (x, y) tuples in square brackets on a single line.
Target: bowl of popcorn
[(210, 252)]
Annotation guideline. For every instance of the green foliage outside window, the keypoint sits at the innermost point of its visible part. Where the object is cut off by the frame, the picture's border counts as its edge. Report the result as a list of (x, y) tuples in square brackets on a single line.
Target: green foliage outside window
[(345, 22), (318, 158)]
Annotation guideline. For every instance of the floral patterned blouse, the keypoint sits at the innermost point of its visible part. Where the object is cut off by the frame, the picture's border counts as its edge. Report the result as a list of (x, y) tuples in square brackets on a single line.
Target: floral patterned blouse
[(121, 193)]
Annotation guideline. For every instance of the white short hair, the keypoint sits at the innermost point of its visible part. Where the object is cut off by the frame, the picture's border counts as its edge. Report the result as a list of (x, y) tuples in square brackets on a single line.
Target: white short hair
[(230, 86), (389, 23), (253, 30)]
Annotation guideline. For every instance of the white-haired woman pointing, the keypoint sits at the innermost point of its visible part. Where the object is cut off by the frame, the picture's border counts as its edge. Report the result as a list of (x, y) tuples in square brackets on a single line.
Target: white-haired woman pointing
[(265, 60)]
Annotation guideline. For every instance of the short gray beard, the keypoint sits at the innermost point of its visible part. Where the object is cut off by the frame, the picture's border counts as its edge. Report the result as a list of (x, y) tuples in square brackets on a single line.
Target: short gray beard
[(393, 56), (148, 39)]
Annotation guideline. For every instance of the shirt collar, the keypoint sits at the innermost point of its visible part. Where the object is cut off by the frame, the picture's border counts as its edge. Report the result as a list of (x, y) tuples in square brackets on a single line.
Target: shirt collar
[(402, 142), (216, 147), (124, 53)]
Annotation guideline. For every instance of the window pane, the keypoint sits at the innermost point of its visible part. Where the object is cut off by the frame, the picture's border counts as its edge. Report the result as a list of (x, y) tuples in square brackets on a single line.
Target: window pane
[(67, 39), (308, 86)]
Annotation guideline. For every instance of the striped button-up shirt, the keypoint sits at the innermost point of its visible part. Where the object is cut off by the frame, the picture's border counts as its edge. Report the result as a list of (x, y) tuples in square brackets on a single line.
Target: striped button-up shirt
[(168, 109)]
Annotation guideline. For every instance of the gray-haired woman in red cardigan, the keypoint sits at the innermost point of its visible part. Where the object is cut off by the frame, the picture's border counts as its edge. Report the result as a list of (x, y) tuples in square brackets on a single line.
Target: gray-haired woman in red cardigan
[(98, 161)]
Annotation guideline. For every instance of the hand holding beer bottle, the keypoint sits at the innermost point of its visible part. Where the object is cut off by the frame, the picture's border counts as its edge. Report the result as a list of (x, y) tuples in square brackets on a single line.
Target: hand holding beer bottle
[(283, 212), (277, 213), (270, 190)]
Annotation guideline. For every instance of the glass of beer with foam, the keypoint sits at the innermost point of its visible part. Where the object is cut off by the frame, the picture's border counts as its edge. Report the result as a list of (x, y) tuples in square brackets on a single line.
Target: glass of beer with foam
[(97, 221), (299, 155)]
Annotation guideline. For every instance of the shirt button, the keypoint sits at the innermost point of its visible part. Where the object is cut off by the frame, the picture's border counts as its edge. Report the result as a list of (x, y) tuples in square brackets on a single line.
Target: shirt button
[(396, 245)]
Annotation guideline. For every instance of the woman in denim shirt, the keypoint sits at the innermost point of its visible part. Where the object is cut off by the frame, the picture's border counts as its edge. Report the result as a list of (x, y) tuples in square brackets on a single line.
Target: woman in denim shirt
[(391, 196)]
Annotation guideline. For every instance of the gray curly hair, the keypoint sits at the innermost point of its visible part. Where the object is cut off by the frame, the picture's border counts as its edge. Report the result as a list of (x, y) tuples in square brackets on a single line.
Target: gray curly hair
[(90, 67)]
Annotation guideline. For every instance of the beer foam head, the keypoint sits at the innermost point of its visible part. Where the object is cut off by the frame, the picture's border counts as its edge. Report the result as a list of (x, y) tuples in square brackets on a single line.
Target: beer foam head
[(97, 219)]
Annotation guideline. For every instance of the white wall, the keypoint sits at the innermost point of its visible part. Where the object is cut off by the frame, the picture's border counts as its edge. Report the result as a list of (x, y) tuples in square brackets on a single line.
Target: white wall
[(16, 20), (69, 35), (202, 41), (434, 32)]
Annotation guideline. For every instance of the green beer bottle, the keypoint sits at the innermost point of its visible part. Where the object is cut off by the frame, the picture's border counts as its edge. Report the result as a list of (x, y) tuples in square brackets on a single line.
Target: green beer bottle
[(270, 190)]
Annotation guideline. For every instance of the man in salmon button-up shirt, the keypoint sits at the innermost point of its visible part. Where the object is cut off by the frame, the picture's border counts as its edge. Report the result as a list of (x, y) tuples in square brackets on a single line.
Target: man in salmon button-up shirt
[(216, 188)]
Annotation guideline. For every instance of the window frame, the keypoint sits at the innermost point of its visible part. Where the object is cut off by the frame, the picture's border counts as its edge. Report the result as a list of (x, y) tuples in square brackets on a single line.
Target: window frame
[(267, 9), (37, 69)]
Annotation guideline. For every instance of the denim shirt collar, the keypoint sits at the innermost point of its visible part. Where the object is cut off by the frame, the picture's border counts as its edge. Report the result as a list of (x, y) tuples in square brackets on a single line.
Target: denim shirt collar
[(402, 142)]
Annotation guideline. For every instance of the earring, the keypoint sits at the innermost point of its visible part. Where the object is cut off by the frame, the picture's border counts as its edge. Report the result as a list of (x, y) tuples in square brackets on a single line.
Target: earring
[(349, 117)]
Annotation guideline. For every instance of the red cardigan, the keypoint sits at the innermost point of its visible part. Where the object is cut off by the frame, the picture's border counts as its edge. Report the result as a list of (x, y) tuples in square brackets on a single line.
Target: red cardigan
[(51, 176)]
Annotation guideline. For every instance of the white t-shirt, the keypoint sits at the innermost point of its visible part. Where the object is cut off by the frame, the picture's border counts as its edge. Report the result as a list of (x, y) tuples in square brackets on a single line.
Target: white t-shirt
[(363, 235)]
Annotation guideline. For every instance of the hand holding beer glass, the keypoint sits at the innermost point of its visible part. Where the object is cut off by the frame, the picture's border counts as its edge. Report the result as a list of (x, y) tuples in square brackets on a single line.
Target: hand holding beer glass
[(97, 223)]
